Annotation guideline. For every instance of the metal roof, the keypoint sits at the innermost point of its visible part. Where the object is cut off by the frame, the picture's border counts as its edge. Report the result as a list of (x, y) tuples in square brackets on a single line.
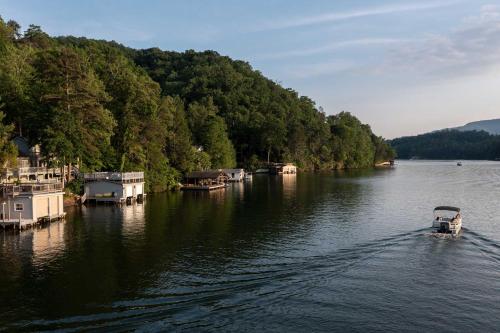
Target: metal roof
[(451, 208), (206, 174), (22, 146)]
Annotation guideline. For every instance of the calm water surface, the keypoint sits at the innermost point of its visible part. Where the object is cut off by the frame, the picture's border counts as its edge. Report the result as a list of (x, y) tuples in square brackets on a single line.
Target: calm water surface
[(313, 252)]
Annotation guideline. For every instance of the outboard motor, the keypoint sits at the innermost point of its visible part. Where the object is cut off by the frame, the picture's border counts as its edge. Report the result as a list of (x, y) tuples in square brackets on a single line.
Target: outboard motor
[(444, 227)]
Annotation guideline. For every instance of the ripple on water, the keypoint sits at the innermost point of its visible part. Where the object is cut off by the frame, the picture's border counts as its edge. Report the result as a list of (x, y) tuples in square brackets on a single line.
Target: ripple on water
[(321, 253), (358, 287)]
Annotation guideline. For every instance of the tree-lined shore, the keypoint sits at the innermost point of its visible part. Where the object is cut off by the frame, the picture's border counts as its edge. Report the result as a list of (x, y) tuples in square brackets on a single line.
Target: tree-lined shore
[(108, 107), (449, 144)]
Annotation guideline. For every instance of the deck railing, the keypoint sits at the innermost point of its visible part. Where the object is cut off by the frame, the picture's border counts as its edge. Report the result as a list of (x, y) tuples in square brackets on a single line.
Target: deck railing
[(10, 189), (30, 171), (35, 170), (114, 176)]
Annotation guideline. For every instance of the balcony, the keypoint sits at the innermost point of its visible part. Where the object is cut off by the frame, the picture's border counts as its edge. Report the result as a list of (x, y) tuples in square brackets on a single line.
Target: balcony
[(120, 177), (27, 172), (13, 190)]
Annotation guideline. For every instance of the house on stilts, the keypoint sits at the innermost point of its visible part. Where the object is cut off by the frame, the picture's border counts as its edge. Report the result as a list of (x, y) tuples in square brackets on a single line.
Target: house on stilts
[(114, 187), (30, 193)]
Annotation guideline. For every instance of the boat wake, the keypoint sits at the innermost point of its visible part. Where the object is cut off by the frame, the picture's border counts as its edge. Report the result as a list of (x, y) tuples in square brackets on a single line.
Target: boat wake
[(245, 290)]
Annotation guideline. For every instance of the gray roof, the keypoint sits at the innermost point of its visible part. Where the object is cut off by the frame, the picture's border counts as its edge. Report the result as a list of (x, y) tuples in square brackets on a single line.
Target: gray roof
[(206, 174), (22, 146), (454, 209)]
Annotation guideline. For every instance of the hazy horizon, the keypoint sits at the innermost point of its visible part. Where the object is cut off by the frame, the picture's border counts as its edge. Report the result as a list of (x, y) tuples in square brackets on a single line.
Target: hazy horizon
[(404, 67)]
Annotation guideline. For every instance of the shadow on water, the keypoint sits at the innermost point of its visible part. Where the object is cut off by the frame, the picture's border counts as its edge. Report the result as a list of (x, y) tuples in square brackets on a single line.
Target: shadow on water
[(109, 252), (301, 253), (197, 301)]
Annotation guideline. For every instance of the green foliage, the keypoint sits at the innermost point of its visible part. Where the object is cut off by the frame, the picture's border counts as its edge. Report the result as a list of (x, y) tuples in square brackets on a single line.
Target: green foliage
[(75, 125), (178, 145), (8, 151), (217, 144), (383, 151), (109, 107), (449, 144), (263, 119), (352, 142), (201, 159), (210, 133), (75, 186)]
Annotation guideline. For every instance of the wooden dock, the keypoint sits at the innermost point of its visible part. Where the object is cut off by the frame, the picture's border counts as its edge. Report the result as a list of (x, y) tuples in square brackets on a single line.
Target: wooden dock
[(23, 224)]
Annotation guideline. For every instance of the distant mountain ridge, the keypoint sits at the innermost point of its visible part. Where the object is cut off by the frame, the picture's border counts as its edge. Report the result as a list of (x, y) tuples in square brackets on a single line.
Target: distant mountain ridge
[(491, 126), (477, 140)]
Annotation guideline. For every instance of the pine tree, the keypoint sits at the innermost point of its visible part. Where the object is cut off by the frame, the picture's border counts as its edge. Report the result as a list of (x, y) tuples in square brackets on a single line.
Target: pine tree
[(76, 126)]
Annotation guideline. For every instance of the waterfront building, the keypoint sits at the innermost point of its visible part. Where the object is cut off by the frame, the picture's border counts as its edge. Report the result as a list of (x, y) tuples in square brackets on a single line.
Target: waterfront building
[(113, 187), (282, 168), (235, 175), (27, 204), (206, 180), (30, 193)]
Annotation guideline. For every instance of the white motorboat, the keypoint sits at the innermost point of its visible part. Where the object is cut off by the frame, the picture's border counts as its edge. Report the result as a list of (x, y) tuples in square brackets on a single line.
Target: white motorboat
[(447, 219)]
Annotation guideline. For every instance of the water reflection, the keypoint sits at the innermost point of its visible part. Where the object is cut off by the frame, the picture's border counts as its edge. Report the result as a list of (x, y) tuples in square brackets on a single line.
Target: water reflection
[(291, 247), (289, 185), (47, 242)]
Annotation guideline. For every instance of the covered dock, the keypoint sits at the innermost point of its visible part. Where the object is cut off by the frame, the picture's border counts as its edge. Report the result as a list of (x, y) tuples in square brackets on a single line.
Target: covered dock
[(114, 187), (26, 205), (205, 180)]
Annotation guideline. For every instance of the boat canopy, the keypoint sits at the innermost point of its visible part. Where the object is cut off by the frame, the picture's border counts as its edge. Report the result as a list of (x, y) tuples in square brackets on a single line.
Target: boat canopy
[(450, 208)]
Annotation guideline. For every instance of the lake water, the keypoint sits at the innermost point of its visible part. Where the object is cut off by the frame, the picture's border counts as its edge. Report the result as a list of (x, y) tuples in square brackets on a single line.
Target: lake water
[(313, 252)]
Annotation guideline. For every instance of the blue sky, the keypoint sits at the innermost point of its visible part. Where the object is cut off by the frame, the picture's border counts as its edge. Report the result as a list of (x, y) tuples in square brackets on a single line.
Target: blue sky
[(405, 67)]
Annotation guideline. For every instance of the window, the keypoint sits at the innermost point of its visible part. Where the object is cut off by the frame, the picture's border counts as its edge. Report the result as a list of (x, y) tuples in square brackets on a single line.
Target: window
[(19, 207)]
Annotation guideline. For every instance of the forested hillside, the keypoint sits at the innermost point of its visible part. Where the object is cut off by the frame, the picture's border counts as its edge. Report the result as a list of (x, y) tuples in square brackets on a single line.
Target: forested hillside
[(449, 144), (492, 126), (109, 107)]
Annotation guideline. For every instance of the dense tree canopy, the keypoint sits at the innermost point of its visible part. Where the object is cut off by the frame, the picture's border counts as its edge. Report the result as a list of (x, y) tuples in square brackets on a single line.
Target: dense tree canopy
[(108, 107), (8, 151), (449, 144)]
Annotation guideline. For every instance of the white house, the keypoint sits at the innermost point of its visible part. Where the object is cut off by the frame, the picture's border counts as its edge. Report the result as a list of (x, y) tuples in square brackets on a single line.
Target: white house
[(282, 168), (235, 175), (29, 203), (114, 187), (30, 193)]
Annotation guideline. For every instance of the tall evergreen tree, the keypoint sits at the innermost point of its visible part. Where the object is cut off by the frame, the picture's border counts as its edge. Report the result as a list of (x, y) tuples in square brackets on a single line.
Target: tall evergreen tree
[(8, 151), (75, 125)]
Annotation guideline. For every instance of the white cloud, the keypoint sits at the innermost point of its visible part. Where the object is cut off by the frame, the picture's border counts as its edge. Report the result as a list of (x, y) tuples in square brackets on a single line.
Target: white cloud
[(318, 69), (340, 16), (332, 47), (472, 48)]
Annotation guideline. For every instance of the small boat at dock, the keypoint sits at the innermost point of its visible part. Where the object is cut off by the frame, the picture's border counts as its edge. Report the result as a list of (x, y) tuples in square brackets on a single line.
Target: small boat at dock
[(447, 220)]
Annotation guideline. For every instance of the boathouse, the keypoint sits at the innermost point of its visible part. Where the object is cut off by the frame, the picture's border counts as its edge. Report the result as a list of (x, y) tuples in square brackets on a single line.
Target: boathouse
[(26, 204), (205, 180), (113, 187), (282, 168), (30, 193), (235, 175)]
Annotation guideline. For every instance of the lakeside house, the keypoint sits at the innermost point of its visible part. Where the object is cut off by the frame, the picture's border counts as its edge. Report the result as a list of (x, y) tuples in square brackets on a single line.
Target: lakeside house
[(27, 156), (282, 168), (235, 175), (30, 193), (206, 180), (30, 203), (113, 187)]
